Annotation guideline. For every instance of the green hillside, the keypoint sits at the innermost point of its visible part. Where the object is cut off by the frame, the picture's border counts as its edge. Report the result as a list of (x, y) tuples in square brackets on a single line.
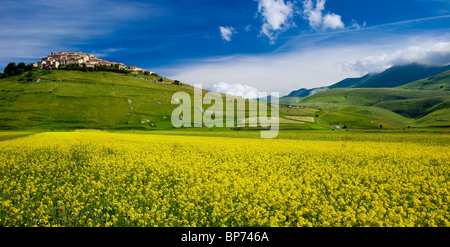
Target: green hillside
[(436, 82), (391, 108), (415, 108), (369, 96), (436, 118), (68, 99), (76, 99)]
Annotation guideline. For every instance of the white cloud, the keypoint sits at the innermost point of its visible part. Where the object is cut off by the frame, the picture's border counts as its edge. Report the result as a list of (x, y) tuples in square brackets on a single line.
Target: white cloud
[(356, 25), (313, 11), (314, 65), (322, 58), (226, 33), (277, 72), (332, 21), (427, 54), (235, 89), (277, 16)]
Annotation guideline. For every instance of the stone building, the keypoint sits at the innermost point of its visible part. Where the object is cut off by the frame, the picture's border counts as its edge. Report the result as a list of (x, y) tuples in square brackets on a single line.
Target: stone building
[(56, 60)]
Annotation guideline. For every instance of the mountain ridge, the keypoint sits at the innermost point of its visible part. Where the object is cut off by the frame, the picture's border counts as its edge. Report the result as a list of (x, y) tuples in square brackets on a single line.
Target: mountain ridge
[(395, 76), (414, 95)]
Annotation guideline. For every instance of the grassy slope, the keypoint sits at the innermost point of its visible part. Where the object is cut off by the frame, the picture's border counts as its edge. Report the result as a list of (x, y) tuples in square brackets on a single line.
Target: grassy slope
[(75, 99), (437, 82), (415, 108), (436, 118), (369, 108), (370, 96), (96, 100)]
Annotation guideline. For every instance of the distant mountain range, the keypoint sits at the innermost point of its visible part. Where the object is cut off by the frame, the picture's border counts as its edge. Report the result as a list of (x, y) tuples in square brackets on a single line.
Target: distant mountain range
[(402, 97), (393, 77)]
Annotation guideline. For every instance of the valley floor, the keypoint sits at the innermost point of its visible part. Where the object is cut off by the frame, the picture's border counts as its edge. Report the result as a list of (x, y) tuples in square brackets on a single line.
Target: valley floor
[(224, 178)]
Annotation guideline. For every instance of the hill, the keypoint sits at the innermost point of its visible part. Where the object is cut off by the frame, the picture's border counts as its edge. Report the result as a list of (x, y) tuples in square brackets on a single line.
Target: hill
[(74, 99), (437, 82), (388, 107)]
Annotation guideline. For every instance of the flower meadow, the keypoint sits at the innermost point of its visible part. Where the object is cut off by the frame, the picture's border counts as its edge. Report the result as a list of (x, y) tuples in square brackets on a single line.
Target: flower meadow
[(101, 179)]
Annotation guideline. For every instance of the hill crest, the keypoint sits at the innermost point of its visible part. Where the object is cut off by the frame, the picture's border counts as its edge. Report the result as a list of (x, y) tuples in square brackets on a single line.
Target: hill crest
[(63, 59)]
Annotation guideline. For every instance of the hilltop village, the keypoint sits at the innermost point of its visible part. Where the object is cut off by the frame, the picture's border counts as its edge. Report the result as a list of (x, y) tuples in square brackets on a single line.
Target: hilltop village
[(62, 59)]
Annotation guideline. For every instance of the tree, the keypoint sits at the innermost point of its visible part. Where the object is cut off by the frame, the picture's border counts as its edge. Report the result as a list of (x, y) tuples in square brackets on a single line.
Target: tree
[(1, 75), (11, 69), (29, 67), (21, 68), (176, 82)]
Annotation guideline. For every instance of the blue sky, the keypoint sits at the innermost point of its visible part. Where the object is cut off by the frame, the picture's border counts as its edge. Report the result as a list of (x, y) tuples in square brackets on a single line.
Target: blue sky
[(266, 45)]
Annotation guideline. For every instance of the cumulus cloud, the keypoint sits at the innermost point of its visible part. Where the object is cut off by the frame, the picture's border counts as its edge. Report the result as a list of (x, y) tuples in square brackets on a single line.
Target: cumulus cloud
[(236, 89), (227, 32), (313, 11), (277, 16), (427, 54), (332, 21)]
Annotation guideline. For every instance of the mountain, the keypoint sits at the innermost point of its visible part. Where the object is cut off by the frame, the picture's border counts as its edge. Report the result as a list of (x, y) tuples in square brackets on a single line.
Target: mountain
[(392, 77), (395, 76), (306, 92), (350, 82), (410, 95)]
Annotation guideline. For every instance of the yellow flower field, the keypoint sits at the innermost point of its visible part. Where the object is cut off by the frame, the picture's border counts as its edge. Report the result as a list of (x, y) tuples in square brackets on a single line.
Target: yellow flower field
[(115, 179)]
